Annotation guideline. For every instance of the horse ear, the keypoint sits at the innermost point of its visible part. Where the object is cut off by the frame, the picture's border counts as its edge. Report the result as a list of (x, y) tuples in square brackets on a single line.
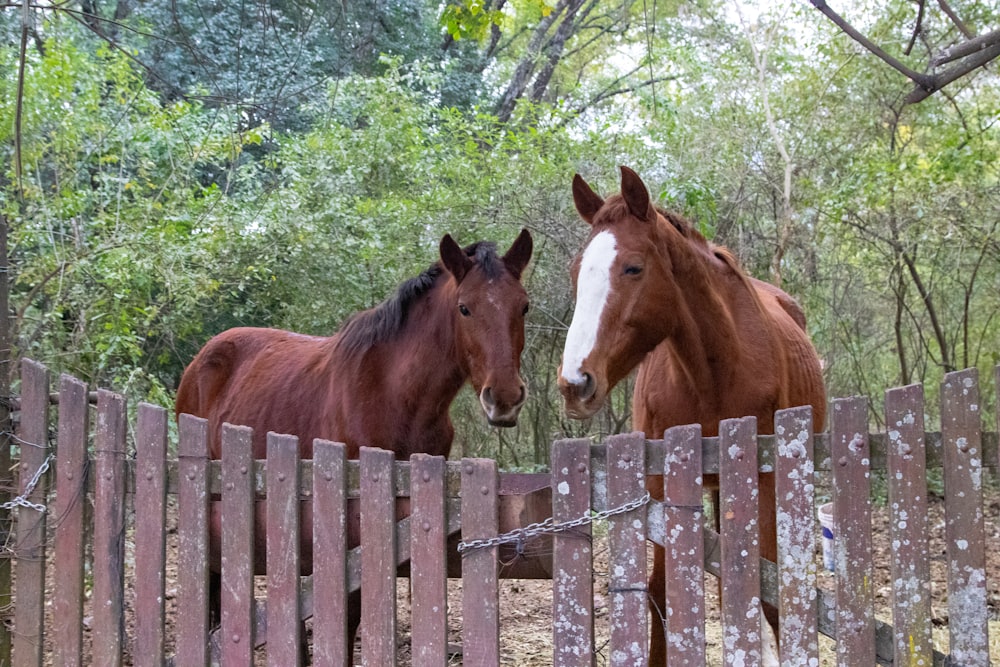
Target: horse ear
[(454, 258), (520, 252), (636, 195), (588, 202)]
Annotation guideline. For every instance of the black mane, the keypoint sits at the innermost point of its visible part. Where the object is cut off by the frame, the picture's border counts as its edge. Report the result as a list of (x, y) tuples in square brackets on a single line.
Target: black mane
[(383, 322)]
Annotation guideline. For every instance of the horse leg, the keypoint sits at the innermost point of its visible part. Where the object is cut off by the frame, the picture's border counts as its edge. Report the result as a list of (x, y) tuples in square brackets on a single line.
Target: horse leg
[(657, 594), (768, 523), (353, 621), (214, 599)]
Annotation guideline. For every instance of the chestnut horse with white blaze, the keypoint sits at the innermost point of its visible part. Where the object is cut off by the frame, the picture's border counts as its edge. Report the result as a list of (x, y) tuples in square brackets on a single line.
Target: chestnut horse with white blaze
[(711, 343), (386, 379)]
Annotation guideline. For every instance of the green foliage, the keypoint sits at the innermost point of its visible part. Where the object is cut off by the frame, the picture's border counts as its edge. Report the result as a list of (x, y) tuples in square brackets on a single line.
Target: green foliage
[(471, 20), (292, 175)]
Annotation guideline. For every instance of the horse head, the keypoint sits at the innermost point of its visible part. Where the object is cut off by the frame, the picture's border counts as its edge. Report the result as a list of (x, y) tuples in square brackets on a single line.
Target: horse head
[(625, 292), (490, 306)]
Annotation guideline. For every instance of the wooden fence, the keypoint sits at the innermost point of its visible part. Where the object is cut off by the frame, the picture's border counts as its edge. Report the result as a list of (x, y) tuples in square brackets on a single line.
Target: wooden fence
[(73, 523)]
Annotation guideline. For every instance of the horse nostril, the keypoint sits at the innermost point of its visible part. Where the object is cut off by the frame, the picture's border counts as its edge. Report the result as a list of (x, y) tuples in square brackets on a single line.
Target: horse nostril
[(487, 396), (587, 389), (524, 395)]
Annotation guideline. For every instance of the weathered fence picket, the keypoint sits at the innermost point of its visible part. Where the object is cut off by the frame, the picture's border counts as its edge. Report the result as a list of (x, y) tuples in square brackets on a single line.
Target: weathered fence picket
[(428, 567), (330, 563), (329, 495), (238, 513), (852, 527), (572, 585), (69, 511), (150, 536), (796, 530), (378, 558), (192, 540), (627, 546), (683, 513), (109, 529), (480, 586), (964, 531), (738, 488), (910, 567), (29, 546), (283, 550)]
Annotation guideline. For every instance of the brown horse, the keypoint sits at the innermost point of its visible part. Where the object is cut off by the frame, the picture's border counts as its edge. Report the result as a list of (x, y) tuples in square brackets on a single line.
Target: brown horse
[(711, 342), (387, 379)]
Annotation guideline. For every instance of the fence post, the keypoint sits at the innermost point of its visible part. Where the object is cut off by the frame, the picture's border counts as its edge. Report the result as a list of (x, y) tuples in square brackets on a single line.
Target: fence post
[(70, 513), (852, 526), (150, 534), (627, 585), (192, 541), (330, 606), (283, 545), (572, 556), (378, 558), (6, 440), (238, 546), (684, 547), (906, 471), (961, 434), (480, 589), (738, 514), (29, 547), (428, 560), (796, 522), (109, 529)]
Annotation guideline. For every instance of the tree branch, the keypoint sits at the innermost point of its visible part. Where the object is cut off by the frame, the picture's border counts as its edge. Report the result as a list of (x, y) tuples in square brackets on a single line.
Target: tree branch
[(966, 48), (555, 49), (19, 102), (974, 53), (610, 92), (939, 81), (946, 8), (526, 67), (868, 44), (916, 29)]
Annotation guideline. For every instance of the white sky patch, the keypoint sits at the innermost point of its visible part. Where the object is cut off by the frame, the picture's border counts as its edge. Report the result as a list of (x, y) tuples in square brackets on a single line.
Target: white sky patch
[(592, 289)]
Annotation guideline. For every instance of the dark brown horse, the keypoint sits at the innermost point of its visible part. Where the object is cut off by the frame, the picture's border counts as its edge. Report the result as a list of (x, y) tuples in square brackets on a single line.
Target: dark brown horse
[(710, 342), (387, 379)]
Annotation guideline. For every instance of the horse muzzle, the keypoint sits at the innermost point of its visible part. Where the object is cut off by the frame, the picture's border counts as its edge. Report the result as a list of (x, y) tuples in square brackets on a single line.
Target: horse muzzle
[(580, 399), (499, 409)]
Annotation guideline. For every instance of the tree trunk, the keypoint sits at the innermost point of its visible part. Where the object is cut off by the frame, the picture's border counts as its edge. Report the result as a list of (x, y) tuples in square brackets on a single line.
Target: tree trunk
[(540, 40)]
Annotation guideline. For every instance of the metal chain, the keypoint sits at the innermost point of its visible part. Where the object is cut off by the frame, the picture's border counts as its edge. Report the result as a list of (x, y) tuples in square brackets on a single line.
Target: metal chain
[(549, 526), (22, 500)]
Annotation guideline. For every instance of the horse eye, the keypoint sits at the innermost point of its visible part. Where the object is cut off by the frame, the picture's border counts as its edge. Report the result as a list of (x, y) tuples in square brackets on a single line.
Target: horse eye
[(462, 309), (633, 270)]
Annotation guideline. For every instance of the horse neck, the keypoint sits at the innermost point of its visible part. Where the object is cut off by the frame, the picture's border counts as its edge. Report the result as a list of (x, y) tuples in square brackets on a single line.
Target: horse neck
[(427, 348), (714, 307)]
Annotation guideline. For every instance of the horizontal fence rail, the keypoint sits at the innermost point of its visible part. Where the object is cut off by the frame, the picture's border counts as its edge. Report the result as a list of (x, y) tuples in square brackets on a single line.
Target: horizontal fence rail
[(95, 496)]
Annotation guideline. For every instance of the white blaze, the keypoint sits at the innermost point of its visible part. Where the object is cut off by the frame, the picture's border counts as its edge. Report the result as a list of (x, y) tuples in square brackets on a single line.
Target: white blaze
[(593, 285)]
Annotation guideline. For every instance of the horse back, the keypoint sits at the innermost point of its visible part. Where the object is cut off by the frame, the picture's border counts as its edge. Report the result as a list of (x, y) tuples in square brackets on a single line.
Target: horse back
[(800, 366), (267, 379), (783, 299)]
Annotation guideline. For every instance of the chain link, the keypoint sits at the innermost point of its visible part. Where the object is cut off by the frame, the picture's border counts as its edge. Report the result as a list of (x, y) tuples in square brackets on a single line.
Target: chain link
[(549, 526), (22, 500)]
